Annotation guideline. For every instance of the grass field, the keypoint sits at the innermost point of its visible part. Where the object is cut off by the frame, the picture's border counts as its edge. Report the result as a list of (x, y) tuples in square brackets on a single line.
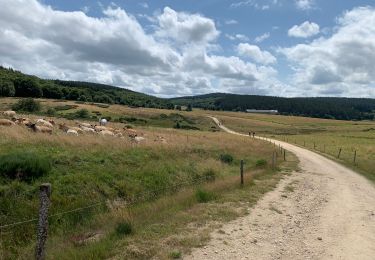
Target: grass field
[(160, 189), (329, 136)]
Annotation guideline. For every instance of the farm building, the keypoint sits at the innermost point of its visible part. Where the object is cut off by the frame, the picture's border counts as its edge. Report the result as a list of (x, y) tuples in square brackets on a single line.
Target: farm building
[(262, 111)]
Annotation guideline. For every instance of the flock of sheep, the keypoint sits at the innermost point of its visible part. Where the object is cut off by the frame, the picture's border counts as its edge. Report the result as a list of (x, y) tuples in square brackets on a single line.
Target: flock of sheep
[(48, 126)]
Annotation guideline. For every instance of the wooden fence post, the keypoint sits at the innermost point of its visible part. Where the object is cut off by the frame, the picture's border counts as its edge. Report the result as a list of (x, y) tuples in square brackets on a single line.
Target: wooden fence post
[(338, 156), (241, 172), (324, 148), (44, 196), (273, 160), (314, 146), (355, 157), (284, 155)]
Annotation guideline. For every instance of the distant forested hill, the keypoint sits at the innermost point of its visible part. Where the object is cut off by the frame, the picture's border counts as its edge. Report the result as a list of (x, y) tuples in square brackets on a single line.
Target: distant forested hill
[(15, 83), (321, 107)]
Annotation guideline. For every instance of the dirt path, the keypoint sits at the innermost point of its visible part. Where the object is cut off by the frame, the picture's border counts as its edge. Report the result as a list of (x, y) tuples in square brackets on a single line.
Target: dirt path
[(325, 211)]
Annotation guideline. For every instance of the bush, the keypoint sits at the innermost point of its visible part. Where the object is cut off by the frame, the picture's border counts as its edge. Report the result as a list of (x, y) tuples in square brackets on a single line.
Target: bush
[(209, 174), (27, 105), (82, 113), (204, 196), (175, 255), (51, 111), (24, 166), (124, 228), (226, 158), (260, 162)]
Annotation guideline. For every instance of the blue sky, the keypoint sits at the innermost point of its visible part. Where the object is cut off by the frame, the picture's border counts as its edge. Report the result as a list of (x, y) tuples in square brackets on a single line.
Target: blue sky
[(175, 48)]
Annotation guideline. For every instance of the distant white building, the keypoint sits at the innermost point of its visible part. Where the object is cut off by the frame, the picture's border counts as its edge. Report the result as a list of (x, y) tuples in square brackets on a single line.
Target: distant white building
[(262, 111)]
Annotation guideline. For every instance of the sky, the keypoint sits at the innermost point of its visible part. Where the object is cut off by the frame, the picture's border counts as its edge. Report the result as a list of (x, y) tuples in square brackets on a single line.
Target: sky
[(179, 48)]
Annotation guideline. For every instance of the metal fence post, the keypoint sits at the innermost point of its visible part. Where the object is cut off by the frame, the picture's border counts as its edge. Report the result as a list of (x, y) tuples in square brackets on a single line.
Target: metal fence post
[(241, 172), (45, 194), (338, 156)]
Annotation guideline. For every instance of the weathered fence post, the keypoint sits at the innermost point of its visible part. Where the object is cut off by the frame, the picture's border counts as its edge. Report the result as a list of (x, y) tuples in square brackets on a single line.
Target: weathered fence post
[(284, 155), (338, 156), (355, 157), (324, 148), (314, 146), (273, 160), (44, 196), (241, 171)]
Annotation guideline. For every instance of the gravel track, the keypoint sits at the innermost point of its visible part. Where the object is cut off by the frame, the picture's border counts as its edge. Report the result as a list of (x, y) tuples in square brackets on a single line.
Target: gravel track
[(324, 211)]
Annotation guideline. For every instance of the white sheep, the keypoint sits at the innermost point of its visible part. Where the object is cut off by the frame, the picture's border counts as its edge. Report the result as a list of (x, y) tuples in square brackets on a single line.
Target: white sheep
[(106, 132), (87, 129), (9, 113), (72, 132), (6, 122), (44, 123)]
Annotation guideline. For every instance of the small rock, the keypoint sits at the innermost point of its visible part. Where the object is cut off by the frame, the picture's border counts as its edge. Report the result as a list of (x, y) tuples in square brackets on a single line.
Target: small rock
[(320, 238), (254, 241)]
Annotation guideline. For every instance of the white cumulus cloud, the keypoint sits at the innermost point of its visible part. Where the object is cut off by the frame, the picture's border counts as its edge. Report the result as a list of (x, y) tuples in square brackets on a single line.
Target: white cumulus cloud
[(255, 53), (172, 58), (341, 64), (305, 4), (304, 30)]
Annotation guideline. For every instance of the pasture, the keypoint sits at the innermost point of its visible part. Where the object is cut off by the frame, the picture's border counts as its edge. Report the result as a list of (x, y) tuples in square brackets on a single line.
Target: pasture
[(327, 135), (187, 184)]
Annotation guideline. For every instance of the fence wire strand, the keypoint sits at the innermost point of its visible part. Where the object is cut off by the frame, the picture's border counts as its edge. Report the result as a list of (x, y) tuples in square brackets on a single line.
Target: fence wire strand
[(144, 196)]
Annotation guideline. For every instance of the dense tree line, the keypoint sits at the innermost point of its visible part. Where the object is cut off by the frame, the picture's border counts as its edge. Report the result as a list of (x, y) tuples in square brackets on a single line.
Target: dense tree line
[(320, 107), (17, 84)]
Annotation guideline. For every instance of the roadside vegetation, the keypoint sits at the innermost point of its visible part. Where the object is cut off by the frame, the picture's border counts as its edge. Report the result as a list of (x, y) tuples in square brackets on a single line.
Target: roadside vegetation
[(135, 200)]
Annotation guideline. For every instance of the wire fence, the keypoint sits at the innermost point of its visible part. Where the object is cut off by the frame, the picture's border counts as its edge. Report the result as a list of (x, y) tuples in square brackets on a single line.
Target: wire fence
[(140, 197)]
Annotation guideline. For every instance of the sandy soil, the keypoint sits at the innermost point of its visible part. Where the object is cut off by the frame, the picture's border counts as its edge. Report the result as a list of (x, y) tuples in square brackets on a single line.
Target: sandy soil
[(325, 211)]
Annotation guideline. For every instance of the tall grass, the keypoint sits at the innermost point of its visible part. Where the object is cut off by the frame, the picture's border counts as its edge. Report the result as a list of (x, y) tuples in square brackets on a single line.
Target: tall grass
[(89, 169)]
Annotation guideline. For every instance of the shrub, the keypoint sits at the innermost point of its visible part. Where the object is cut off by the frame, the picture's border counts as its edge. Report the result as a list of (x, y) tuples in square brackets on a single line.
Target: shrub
[(124, 228), (27, 105), (260, 162), (209, 174), (226, 158), (24, 166), (82, 113), (51, 111), (204, 196), (175, 254)]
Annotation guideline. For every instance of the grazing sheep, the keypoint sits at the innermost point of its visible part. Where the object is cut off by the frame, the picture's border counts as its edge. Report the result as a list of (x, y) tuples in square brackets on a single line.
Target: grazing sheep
[(103, 121), (22, 121), (118, 134), (6, 122), (100, 128), (131, 132), (84, 124), (106, 132), (52, 122), (138, 139), (87, 129), (77, 129), (66, 128), (72, 132), (9, 113), (42, 129), (44, 123)]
